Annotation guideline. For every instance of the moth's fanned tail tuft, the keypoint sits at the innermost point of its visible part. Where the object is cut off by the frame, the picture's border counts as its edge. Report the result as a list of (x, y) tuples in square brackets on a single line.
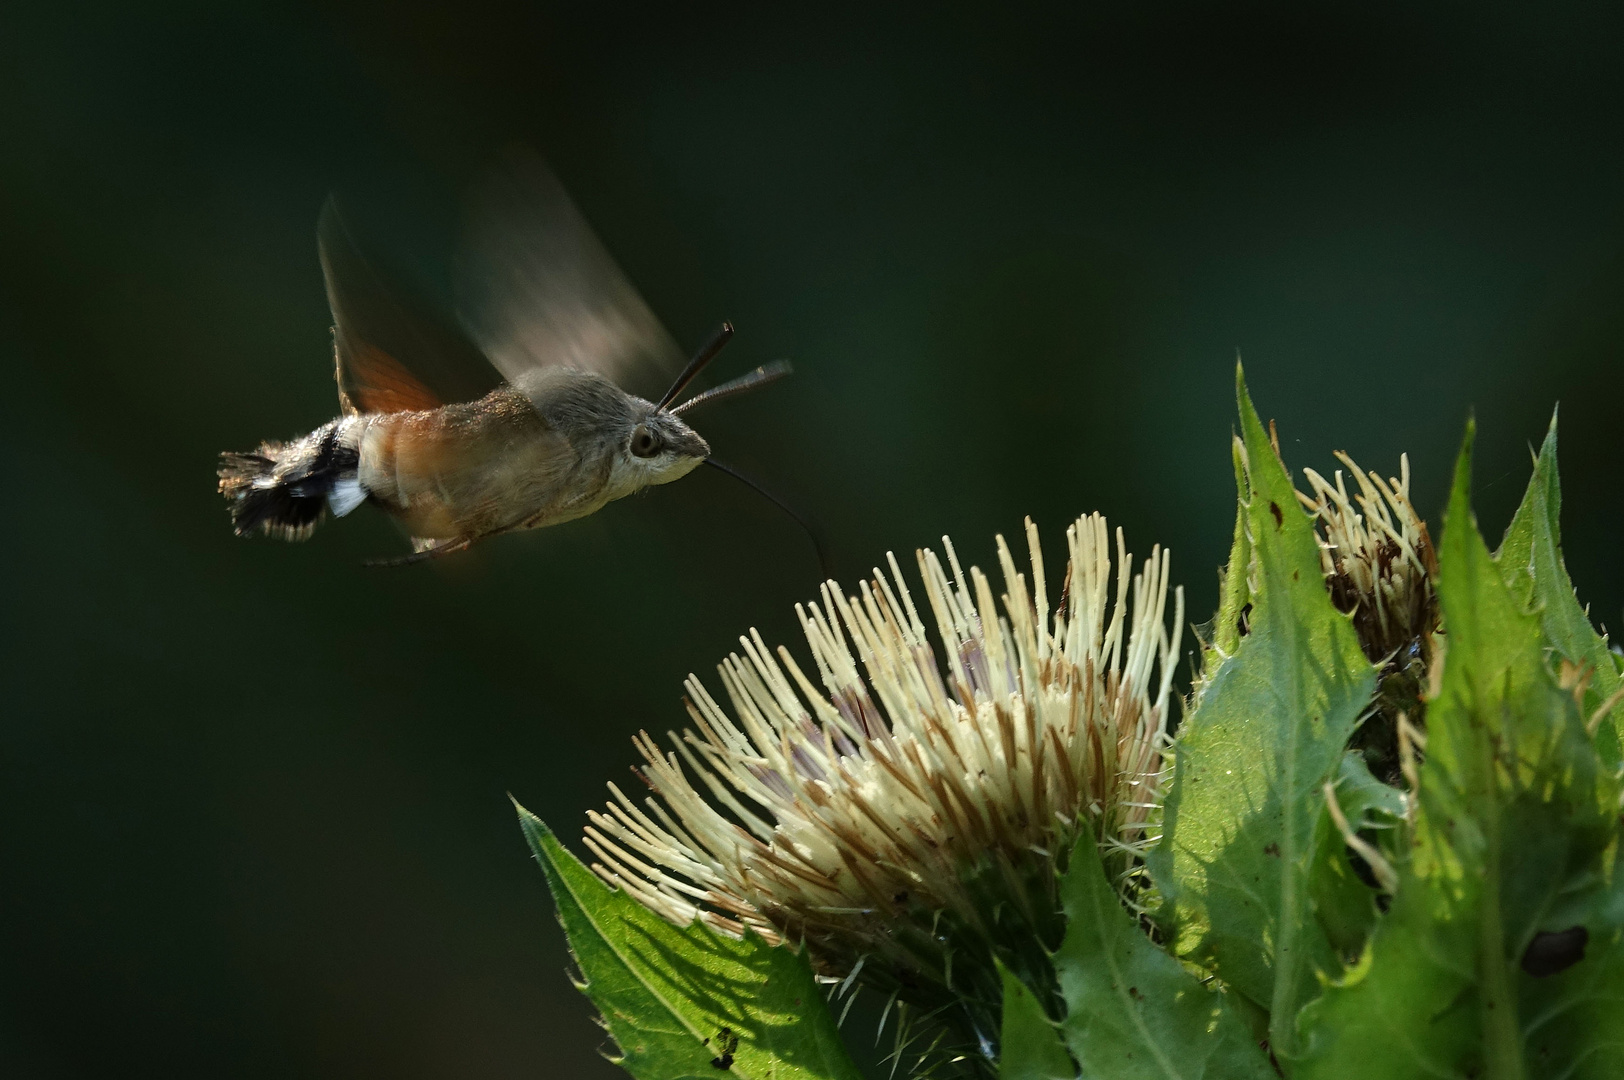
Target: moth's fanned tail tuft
[(283, 489)]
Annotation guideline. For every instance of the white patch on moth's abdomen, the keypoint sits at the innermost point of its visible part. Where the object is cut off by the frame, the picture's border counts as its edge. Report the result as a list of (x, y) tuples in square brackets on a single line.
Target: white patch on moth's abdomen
[(346, 495)]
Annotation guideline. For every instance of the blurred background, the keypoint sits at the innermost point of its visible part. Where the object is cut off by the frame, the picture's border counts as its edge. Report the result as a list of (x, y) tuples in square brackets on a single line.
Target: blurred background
[(253, 797)]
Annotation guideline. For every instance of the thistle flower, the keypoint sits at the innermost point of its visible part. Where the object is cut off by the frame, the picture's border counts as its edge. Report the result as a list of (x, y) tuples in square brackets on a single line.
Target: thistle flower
[(1379, 564), (1380, 567), (903, 821)]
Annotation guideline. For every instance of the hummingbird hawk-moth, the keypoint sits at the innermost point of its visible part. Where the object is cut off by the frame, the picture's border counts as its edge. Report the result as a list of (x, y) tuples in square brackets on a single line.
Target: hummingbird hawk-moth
[(524, 420)]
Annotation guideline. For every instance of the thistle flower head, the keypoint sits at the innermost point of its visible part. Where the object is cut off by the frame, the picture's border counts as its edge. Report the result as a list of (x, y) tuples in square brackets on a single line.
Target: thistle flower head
[(1377, 556), (1381, 569), (901, 819)]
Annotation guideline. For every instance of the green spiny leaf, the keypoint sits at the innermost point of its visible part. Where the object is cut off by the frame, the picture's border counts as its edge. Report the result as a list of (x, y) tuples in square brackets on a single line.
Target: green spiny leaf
[(1516, 835), (1343, 903), (1234, 594), (1574, 1019), (1030, 1046), (1365, 800), (1132, 1011), (1530, 559), (686, 1004), (1239, 849)]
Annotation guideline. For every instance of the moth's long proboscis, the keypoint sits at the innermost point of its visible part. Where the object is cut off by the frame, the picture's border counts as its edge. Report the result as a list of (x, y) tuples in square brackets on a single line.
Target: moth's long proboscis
[(824, 566)]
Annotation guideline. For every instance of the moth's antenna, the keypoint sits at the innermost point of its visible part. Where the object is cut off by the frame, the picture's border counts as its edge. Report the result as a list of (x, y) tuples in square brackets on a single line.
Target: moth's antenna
[(806, 526), (705, 355), (766, 373)]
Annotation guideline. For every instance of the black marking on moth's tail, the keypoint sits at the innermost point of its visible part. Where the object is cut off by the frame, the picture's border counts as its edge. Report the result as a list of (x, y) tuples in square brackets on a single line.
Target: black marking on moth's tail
[(281, 489)]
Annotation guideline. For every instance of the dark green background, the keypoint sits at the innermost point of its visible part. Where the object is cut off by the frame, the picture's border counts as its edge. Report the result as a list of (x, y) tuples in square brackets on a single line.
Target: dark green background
[(253, 812)]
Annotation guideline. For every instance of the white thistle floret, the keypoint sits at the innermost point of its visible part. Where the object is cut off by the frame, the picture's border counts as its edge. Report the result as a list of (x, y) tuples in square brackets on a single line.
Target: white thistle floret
[(1376, 554), (834, 815)]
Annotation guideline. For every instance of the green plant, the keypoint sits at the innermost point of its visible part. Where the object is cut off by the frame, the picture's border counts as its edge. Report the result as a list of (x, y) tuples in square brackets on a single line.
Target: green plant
[(1382, 843)]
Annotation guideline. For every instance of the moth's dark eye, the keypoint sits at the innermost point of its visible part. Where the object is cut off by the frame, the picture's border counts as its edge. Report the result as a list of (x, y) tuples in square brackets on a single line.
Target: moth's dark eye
[(644, 442)]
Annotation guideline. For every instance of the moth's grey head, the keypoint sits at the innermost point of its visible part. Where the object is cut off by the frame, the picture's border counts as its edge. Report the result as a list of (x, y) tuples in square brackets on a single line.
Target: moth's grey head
[(660, 447), (643, 443)]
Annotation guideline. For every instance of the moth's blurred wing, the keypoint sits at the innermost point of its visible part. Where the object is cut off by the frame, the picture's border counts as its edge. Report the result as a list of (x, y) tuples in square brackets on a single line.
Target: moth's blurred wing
[(390, 356), (535, 286)]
